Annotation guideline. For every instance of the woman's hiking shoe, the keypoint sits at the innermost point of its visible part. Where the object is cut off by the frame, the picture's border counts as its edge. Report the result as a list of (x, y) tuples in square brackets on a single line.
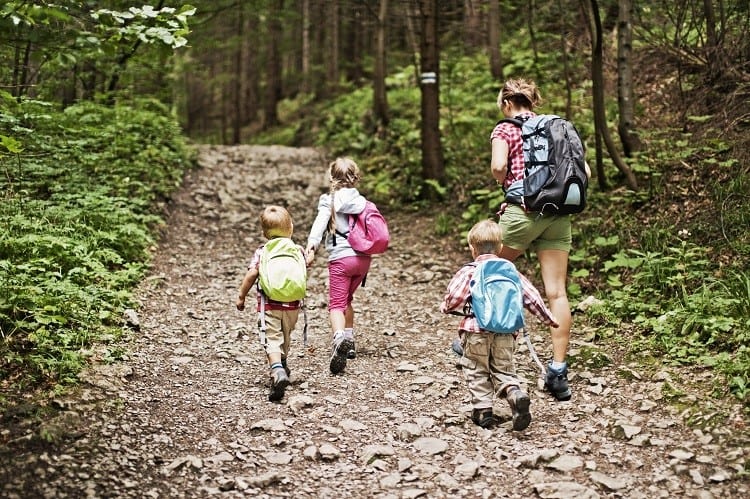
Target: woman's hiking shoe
[(519, 405), (341, 348), (279, 382), (286, 367), (483, 418), (557, 382)]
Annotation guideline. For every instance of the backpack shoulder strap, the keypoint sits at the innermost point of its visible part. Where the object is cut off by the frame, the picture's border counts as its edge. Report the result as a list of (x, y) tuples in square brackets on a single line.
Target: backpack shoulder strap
[(514, 121)]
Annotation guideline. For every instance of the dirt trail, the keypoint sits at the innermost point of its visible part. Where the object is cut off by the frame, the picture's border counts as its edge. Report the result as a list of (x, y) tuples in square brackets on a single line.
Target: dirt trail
[(186, 413)]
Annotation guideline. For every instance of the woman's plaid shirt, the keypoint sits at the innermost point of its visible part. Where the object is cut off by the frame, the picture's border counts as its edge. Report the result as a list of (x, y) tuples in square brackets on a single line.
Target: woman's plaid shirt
[(458, 292), (511, 134)]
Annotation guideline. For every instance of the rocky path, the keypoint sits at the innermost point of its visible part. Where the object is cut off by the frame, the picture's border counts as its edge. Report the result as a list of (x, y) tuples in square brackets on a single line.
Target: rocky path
[(186, 413)]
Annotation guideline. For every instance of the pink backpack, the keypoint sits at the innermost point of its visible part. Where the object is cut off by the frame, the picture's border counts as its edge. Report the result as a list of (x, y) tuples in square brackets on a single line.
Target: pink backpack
[(368, 231)]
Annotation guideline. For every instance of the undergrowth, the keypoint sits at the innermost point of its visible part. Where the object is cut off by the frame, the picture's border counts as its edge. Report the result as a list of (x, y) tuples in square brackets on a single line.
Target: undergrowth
[(84, 190)]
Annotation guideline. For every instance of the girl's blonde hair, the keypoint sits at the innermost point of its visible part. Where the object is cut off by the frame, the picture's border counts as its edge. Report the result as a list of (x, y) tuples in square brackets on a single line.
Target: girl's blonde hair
[(275, 221), (521, 92), (486, 237), (343, 172)]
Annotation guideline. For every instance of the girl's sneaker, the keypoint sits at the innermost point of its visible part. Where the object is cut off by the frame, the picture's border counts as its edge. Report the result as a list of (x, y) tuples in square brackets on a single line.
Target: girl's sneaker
[(341, 347), (351, 354)]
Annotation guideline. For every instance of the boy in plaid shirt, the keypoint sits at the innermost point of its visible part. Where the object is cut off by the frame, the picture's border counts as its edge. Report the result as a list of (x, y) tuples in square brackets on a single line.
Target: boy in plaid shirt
[(487, 359)]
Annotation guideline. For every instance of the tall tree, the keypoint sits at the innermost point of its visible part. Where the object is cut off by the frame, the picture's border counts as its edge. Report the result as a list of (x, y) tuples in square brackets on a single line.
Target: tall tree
[(306, 87), (433, 167), (565, 59), (238, 77), (273, 64), (493, 39), (472, 24), (380, 97), (600, 117), (332, 56), (625, 98)]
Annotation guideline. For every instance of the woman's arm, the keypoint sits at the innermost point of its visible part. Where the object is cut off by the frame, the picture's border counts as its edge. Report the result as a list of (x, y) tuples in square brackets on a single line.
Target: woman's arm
[(499, 161)]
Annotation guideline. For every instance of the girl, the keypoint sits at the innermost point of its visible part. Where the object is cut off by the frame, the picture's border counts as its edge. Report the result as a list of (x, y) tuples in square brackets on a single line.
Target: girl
[(346, 267)]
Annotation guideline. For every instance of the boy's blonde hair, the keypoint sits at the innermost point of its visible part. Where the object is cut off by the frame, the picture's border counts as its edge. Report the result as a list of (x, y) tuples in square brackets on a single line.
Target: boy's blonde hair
[(275, 221), (486, 237), (521, 92)]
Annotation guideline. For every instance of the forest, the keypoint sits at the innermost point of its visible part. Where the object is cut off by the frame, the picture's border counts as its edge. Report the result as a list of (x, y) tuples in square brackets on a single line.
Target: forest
[(102, 101)]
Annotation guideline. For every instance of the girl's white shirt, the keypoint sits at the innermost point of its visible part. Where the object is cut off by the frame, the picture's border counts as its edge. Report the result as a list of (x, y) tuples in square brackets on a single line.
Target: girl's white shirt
[(347, 201)]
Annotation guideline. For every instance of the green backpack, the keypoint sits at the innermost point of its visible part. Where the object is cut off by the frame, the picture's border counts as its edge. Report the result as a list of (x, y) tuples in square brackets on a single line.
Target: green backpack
[(283, 272)]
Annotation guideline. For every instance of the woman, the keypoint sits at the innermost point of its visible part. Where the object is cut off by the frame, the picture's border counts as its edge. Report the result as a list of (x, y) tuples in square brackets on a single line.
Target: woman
[(549, 235)]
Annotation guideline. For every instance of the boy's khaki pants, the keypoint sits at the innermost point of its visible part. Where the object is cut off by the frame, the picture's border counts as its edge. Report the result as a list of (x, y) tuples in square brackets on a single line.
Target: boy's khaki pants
[(488, 366), (279, 327)]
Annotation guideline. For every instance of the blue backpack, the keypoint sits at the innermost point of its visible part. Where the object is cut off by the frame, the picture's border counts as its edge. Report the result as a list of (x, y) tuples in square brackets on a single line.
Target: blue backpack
[(497, 296)]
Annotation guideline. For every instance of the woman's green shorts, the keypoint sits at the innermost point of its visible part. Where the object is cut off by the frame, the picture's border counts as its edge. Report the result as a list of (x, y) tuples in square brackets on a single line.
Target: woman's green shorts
[(522, 230)]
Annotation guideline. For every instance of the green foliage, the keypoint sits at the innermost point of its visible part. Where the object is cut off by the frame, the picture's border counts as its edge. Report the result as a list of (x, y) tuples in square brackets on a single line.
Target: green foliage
[(75, 48), (84, 189)]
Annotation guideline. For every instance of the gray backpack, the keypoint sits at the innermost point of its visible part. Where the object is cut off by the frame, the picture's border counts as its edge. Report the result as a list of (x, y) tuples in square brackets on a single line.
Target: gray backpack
[(555, 179)]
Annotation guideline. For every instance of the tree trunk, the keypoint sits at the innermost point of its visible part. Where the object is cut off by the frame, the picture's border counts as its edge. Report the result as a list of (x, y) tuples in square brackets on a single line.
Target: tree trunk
[(530, 9), (23, 89), (432, 153), (273, 76), (493, 40), (237, 78), (320, 86), (306, 46), (600, 118), (332, 58), (251, 76), (625, 99), (353, 48), (380, 97), (566, 64), (472, 25), (714, 55), (412, 37)]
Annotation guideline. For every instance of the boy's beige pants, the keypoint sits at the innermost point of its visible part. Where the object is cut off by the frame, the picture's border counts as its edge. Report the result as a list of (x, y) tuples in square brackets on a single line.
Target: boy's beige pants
[(279, 327), (488, 365)]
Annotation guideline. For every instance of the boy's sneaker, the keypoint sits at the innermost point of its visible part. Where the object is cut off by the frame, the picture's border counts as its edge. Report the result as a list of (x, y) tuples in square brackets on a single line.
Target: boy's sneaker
[(279, 382), (457, 348), (519, 405), (286, 367), (557, 382), (341, 348), (483, 417)]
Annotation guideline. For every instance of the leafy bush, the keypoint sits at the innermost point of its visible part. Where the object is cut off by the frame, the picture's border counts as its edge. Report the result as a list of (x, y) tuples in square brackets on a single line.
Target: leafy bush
[(84, 192)]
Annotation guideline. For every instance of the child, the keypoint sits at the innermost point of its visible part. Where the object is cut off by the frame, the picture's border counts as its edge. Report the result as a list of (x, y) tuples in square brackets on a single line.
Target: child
[(487, 359), (346, 267), (280, 317)]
